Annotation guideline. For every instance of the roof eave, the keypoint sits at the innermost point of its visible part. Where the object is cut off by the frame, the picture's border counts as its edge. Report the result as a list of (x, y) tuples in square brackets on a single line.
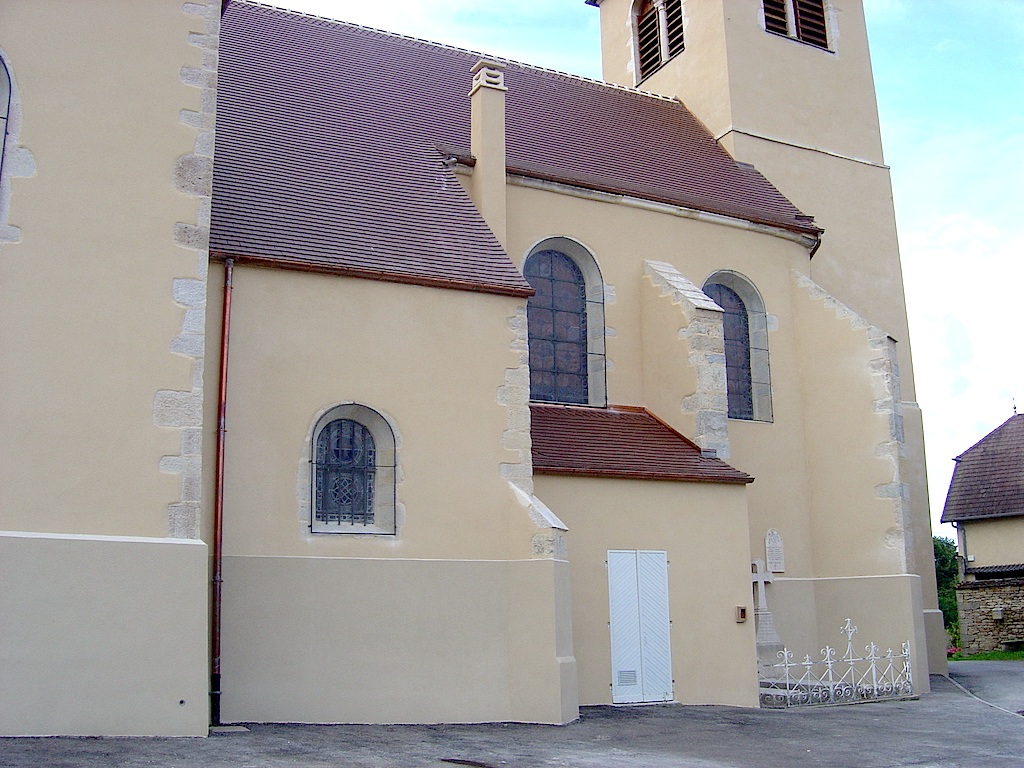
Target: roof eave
[(635, 475), (968, 518), (302, 265)]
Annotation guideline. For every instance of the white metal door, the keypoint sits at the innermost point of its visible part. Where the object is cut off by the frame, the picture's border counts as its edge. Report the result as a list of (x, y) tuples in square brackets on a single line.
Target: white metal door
[(639, 621)]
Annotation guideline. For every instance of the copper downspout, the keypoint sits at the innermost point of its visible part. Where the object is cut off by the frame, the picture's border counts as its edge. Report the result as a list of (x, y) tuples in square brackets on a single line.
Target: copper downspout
[(218, 499)]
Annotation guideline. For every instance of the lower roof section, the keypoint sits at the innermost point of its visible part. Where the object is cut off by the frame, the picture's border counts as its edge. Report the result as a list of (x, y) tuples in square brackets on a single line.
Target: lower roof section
[(619, 441)]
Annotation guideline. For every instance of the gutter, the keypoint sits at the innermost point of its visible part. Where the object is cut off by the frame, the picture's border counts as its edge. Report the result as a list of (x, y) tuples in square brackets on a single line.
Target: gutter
[(218, 501)]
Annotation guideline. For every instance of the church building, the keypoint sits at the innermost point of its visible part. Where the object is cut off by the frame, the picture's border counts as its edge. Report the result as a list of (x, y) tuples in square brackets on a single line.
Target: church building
[(350, 377)]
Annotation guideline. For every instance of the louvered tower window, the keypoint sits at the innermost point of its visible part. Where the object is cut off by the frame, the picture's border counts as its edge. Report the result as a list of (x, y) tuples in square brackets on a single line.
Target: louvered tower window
[(776, 16), (803, 20), (659, 33)]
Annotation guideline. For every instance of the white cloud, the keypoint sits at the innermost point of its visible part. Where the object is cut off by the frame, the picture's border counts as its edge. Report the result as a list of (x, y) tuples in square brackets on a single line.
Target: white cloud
[(963, 275)]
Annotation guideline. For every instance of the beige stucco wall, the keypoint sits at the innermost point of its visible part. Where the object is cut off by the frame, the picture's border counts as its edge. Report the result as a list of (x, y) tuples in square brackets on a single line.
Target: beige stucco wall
[(846, 433), (102, 635), (88, 318), (392, 641), (431, 361), (827, 466), (993, 542), (703, 528), (821, 445), (455, 617)]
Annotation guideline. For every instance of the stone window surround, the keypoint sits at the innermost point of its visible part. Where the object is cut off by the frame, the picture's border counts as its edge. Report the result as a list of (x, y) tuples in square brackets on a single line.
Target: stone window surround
[(15, 161), (581, 255), (758, 326), (669, 45)]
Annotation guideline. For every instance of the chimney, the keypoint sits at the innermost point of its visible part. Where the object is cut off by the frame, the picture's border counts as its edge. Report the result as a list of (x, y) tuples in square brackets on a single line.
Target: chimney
[(487, 142)]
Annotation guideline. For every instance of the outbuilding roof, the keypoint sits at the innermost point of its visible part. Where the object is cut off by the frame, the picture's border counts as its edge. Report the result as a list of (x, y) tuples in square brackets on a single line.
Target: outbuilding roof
[(989, 477), (332, 140), (619, 441)]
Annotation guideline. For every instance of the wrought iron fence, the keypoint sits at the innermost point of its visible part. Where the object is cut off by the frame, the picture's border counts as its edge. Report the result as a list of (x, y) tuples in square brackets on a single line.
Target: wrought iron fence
[(837, 680)]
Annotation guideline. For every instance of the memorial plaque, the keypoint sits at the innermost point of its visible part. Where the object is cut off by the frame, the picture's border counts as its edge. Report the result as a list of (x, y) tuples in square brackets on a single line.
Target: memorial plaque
[(774, 554)]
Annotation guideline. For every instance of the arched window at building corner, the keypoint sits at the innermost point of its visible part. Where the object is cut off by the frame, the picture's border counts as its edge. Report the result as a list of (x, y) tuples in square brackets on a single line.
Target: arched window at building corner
[(353, 473), (5, 110), (566, 323), (745, 326), (658, 33)]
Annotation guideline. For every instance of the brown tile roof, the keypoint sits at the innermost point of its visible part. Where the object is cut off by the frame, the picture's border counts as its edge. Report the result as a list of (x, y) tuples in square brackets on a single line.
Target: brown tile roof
[(329, 151), (1012, 568), (619, 441), (989, 477), (326, 161)]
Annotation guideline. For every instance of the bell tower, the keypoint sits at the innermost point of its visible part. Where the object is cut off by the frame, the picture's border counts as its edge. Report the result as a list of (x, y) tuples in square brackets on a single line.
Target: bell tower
[(786, 85)]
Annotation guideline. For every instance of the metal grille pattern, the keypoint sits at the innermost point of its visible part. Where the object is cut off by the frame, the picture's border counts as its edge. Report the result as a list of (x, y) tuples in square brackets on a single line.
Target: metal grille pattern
[(345, 471), (847, 680), (557, 319), (737, 350)]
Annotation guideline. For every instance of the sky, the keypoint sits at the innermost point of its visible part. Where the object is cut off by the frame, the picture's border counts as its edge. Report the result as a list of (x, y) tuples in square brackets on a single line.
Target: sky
[(950, 81)]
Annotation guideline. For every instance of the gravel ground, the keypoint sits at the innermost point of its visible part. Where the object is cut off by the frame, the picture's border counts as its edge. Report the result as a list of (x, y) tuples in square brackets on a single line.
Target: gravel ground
[(947, 728)]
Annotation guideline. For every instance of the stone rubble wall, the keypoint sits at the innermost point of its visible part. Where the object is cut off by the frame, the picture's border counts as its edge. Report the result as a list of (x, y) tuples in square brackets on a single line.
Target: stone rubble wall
[(977, 600)]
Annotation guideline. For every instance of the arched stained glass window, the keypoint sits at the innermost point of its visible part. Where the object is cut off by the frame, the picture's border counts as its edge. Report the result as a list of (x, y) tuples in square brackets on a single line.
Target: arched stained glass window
[(737, 350), (345, 471), (557, 318), (745, 325)]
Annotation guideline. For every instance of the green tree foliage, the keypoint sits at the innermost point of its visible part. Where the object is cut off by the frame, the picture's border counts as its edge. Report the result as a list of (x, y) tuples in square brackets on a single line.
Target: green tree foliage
[(946, 576)]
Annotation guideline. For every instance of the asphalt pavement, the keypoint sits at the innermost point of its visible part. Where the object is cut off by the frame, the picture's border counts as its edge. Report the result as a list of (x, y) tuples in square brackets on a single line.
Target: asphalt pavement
[(947, 728)]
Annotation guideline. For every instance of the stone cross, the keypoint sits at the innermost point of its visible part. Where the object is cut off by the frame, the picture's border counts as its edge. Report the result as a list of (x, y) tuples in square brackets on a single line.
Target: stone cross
[(760, 577), (766, 638)]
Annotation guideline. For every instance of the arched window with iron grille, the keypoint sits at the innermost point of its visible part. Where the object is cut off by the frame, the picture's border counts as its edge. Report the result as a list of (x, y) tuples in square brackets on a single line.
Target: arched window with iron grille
[(353, 472), (346, 468)]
